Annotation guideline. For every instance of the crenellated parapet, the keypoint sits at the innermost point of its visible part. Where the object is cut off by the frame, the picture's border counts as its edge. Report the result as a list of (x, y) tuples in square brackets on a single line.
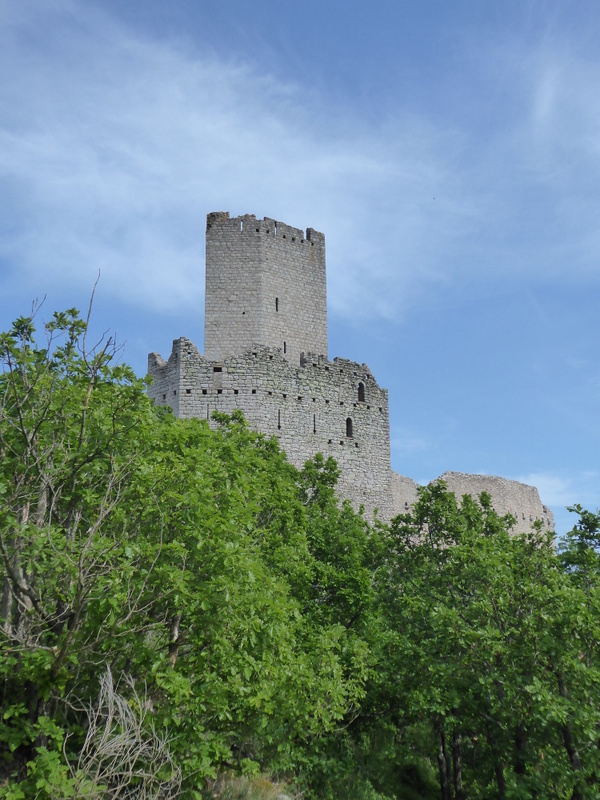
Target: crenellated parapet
[(331, 407)]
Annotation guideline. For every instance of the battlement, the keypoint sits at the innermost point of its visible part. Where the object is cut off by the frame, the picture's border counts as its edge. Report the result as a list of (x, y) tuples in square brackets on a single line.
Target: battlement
[(335, 408), (249, 225)]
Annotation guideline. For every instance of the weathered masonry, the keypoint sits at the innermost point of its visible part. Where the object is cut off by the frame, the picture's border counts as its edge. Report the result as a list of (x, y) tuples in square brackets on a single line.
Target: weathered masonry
[(266, 354)]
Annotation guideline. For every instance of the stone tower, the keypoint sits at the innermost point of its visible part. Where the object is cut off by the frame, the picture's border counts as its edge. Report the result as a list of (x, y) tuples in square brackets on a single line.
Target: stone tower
[(266, 355), (265, 286)]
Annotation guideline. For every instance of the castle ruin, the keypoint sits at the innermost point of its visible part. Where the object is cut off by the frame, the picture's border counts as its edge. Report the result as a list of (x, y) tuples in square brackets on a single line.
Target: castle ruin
[(265, 342)]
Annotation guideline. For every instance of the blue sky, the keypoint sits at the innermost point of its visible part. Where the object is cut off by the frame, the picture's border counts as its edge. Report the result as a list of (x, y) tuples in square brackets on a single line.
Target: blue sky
[(450, 152)]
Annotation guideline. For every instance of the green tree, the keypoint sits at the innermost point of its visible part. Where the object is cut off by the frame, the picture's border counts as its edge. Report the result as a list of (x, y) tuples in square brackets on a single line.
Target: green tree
[(485, 649), (182, 558)]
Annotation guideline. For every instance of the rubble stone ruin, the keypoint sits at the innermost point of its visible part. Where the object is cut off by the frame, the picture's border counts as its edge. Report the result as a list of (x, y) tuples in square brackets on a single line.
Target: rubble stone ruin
[(265, 343)]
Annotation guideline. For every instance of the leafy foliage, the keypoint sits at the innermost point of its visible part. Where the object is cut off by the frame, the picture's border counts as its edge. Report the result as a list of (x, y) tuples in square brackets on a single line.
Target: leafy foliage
[(254, 624)]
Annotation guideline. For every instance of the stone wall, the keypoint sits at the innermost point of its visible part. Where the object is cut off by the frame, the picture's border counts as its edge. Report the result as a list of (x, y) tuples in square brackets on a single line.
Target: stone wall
[(265, 284), (332, 407), (509, 497), (266, 354)]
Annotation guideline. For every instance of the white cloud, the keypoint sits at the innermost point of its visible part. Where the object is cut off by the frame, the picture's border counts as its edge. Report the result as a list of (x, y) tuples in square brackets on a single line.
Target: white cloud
[(114, 146), (564, 490)]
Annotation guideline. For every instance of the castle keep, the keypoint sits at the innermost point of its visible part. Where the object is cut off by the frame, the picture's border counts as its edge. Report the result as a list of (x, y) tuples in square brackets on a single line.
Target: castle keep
[(265, 342)]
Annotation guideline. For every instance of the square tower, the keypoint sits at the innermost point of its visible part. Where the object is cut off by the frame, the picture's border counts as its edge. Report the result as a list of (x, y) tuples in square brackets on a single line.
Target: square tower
[(265, 285)]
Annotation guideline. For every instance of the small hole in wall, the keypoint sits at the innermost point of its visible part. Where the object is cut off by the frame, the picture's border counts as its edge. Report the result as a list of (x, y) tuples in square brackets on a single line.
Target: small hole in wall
[(293, 238), (253, 391), (284, 396), (270, 393), (219, 391), (258, 230), (329, 441), (236, 391), (381, 409), (188, 391), (326, 402), (217, 369), (174, 391), (164, 396), (203, 391), (355, 444)]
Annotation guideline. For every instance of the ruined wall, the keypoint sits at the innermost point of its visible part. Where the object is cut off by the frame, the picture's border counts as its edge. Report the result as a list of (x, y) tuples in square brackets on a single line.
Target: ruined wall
[(335, 408), (509, 497), (266, 315), (265, 285)]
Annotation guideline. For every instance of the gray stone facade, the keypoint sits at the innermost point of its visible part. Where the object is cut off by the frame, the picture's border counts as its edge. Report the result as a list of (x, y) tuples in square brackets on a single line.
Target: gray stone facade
[(265, 284), (266, 354)]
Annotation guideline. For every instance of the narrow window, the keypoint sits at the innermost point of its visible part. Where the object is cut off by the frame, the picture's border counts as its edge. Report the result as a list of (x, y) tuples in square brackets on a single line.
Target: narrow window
[(349, 427), (279, 420), (285, 347), (275, 229), (314, 423), (276, 304), (241, 225), (361, 392), (217, 369)]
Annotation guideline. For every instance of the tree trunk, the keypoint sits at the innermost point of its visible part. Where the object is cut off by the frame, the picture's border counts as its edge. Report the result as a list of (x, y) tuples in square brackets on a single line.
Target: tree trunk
[(174, 639), (443, 764), (459, 792), (569, 743)]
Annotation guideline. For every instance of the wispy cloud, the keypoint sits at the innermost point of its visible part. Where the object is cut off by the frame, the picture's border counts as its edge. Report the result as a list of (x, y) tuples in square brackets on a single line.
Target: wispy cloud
[(113, 147)]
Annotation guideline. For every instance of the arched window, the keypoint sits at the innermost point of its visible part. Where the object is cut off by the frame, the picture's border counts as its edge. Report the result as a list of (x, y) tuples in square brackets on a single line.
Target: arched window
[(349, 427), (361, 392)]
